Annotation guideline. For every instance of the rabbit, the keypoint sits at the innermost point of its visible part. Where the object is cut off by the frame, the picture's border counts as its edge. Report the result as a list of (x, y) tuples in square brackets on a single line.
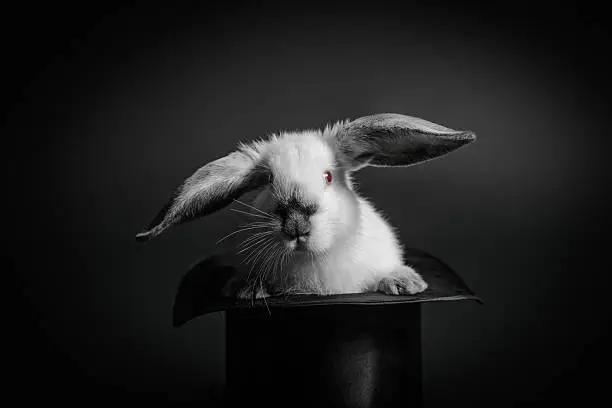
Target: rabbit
[(314, 234)]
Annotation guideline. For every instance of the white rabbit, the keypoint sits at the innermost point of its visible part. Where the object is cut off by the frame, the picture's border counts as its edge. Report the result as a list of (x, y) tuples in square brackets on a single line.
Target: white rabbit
[(315, 234)]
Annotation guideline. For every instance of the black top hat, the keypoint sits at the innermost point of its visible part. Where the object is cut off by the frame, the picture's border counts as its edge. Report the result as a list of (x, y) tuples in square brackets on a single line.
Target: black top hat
[(353, 350)]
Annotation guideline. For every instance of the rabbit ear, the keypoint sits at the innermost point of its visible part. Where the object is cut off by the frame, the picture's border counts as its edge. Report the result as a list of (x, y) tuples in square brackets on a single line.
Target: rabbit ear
[(391, 139), (209, 189)]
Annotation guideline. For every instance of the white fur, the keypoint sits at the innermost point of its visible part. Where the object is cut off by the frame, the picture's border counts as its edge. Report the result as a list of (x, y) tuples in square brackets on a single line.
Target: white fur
[(352, 247), (355, 264)]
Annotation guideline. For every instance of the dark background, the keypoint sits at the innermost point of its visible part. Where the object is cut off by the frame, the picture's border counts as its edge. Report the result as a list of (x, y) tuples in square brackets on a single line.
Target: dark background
[(108, 108)]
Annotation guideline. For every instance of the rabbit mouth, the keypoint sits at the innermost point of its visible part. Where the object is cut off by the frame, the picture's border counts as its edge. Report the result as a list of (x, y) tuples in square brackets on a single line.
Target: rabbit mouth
[(297, 244)]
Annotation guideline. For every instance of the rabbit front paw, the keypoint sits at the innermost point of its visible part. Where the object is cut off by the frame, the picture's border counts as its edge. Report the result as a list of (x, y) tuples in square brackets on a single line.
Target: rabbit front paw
[(404, 281)]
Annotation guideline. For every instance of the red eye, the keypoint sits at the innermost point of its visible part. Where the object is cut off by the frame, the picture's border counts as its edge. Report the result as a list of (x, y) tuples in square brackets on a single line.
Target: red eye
[(327, 176)]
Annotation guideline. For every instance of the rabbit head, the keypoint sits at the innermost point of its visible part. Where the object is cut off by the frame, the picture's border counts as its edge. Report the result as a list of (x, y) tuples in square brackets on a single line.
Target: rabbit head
[(302, 180)]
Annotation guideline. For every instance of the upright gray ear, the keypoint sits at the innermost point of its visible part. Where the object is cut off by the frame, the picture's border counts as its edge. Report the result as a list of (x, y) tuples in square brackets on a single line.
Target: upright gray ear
[(209, 189), (390, 139)]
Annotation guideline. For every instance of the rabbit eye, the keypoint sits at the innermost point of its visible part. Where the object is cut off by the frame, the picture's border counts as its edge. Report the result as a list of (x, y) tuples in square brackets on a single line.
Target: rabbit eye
[(327, 176)]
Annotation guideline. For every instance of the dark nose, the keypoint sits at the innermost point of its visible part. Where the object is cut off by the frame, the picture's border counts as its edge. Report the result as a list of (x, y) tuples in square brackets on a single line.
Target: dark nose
[(296, 224)]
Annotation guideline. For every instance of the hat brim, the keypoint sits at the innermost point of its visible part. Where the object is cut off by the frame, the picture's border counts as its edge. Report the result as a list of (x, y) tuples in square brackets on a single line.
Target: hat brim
[(200, 290)]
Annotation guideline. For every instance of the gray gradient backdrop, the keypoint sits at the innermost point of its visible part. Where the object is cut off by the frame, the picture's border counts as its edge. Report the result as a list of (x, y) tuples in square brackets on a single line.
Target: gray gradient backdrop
[(112, 107)]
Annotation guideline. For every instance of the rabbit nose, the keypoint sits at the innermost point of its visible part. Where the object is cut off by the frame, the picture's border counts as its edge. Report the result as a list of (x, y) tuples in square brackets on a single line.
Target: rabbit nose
[(296, 225)]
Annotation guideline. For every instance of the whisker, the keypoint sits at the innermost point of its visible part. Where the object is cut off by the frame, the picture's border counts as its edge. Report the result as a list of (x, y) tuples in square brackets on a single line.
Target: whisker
[(254, 241), (264, 298), (264, 223), (278, 263), (263, 247), (284, 263), (251, 214), (283, 277), (250, 271), (255, 235), (246, 260), (240, 230), (262, 252), (254, 208), (270, 260), (258, 246)]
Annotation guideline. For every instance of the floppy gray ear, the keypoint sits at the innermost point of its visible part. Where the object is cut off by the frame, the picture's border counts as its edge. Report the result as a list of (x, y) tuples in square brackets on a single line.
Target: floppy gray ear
[(209, 189), (391, 139)]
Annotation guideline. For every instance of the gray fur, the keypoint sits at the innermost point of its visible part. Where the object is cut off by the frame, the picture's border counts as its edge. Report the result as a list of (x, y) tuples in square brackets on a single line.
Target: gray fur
[(390, 139), (209, 189)]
